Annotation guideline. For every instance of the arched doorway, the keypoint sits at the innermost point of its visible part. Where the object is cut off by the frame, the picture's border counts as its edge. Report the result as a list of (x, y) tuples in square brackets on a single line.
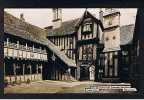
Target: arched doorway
[(92, 73)]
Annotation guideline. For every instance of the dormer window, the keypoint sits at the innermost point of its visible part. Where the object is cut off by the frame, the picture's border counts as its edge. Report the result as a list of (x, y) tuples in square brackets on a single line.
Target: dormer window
[(110, 20), (87, 27), (17, 45)]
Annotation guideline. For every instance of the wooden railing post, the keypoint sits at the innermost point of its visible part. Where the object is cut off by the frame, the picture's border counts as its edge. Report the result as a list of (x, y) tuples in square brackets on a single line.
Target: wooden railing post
[(24, 71), (14, 71)]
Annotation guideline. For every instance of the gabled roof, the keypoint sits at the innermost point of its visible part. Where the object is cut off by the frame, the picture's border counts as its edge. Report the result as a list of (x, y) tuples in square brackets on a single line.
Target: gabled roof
[(17, 27), (69, 27), (88, 14)]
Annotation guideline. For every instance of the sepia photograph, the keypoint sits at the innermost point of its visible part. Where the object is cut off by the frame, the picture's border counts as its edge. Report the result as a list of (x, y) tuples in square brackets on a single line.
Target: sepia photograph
[(72, 50)]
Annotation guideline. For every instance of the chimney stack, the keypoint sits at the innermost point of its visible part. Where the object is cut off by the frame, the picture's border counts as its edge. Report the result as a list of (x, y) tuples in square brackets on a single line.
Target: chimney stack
[(57, 17), (22, 17), (101, 15)]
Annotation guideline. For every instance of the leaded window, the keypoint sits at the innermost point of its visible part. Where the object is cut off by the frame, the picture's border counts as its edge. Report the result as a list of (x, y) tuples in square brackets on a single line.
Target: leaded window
[(110, 20), (125, 57), (87, 27), (87, 53)]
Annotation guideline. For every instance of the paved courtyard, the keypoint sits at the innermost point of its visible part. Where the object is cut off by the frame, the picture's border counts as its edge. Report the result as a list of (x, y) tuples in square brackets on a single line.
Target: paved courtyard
[(49, 86)]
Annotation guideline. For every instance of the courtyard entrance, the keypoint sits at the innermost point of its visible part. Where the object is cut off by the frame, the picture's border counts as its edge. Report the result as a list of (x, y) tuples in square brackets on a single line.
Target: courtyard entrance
[(87, 72)]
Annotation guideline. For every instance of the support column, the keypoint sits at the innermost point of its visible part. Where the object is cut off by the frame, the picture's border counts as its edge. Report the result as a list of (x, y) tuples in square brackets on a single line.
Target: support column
[(59, 75), (80, 53), (111, 64), (19, 68), (78, 73), (4, 71), (14, 71), (106, 65), (75, 73), (24, 71), (37, 71), (116, 64), (41, 71), (30, 71), (56, 74)]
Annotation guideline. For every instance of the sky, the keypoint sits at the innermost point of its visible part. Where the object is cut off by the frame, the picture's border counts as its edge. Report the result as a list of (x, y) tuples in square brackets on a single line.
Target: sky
[(43, 17)]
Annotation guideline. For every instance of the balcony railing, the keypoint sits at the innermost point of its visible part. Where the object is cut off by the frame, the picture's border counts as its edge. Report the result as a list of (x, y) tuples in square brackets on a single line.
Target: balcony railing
[(20, 51)]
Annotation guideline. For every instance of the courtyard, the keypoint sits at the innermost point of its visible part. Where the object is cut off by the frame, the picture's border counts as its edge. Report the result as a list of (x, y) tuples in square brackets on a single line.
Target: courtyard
[(49, 86)]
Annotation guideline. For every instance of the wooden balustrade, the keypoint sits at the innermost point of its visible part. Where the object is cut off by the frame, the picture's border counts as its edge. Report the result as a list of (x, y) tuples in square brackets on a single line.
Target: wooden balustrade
[(12, 50)]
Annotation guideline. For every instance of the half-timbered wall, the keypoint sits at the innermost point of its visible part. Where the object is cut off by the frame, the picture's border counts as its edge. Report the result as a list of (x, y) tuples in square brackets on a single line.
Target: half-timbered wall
[(23, 61), (65, 43), (24, 51), (17, 71), (110, 64), (89, 36)]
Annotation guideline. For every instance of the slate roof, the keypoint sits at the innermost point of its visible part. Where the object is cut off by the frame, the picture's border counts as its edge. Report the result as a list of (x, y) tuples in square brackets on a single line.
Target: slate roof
[(67, 27), (126, 34), (17, 27)]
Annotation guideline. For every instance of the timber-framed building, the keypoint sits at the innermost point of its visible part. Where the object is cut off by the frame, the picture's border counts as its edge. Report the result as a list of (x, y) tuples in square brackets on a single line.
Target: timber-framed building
[(85, 48), (100, 47)]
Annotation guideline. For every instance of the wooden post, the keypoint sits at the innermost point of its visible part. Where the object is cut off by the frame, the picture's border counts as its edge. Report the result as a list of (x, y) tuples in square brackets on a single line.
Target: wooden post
[(75, 73), (78, 73), (4, 71), (55, 74), (106, 65), (14, 71), (116, 64), (41, 71), (37, 70), (110, 64), (59, 75), (30, 71), (24, 71)]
